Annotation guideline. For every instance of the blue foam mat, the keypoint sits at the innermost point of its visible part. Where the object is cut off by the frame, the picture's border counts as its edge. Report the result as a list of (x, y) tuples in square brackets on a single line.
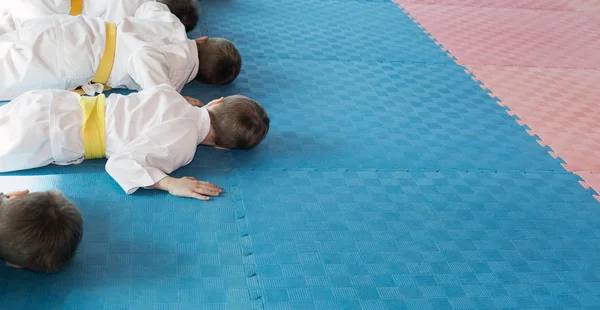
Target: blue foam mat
[(368, 115), (389, 180), (426, 240), (138, 252), (316, 29)]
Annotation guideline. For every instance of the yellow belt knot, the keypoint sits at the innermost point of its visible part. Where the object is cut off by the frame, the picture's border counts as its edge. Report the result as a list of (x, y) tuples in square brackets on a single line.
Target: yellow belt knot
[(94, 126), (108, 58)]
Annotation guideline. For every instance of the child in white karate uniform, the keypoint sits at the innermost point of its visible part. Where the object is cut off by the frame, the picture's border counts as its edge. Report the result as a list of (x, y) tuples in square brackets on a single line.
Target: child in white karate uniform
[(145, 135), (148, 49), (13, 13)]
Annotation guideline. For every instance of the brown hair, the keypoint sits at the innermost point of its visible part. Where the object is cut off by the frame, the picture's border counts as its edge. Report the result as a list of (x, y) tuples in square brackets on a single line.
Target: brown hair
[(39, 231), (239, 123), (220, 62), (185, 10)]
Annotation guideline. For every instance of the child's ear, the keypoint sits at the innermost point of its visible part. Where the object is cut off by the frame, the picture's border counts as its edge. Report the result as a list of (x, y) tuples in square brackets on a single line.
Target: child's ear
[(202, 39)]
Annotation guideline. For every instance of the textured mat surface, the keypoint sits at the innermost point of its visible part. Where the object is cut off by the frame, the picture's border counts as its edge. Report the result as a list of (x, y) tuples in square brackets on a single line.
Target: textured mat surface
[(513, 37), (342, 30), (395, 115), (557, 104), (389, 180), (426, 240), (147, 251), (549, 5), (537, 58)]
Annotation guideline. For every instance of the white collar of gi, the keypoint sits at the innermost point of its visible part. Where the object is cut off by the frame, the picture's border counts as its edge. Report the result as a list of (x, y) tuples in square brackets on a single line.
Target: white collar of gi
[(203, 124)]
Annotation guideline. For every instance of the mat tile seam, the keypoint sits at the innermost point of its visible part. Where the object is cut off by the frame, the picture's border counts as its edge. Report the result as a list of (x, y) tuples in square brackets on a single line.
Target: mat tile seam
[(250, 268), (514, 115)]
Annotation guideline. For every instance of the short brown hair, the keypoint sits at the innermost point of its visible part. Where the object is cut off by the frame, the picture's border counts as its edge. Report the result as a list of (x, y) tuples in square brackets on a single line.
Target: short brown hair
[(239, 123), (39, 231), (220, 62)]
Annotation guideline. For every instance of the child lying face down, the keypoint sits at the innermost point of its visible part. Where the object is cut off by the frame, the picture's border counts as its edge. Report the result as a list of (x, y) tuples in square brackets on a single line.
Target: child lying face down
[(145, 135), (150, 48), (39, 231), (13, 13)]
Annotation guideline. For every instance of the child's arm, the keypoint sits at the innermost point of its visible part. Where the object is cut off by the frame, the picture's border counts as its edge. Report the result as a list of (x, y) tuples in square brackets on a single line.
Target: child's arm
[(149, 67), (148, 159), (193, 101), (157, 12)]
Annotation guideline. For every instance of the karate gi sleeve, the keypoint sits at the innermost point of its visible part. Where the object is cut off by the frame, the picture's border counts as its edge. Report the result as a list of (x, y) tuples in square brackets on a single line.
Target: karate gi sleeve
[(150, 67), (154, 154), (7, 23), (157, 12)]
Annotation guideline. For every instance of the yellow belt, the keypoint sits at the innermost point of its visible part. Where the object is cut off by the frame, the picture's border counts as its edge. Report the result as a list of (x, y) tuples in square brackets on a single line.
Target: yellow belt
[(94, 126), (107, 60), (76, 7)]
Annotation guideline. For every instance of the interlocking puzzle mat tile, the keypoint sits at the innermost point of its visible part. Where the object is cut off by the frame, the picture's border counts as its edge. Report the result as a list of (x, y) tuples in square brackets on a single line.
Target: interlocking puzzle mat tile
[(427, 240), (556, 103), (553, 5), (512, 37), (146, 251), (592, 180), (559, 105), (364, 115), (315, 29)]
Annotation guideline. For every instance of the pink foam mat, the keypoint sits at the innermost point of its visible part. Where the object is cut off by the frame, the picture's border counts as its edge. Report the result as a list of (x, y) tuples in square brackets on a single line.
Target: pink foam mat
[(513, 37), (541, 59), (592, 180), (560, 105), (554, 5)]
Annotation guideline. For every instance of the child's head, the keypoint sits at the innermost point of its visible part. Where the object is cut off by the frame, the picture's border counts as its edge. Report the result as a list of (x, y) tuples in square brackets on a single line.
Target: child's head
[(237, 122), (185, 10), (220, 62), (39, 231)]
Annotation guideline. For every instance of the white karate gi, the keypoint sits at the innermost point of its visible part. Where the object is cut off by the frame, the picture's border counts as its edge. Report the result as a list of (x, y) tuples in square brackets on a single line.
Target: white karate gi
[(15, 12), (63, 52), (149, 134)]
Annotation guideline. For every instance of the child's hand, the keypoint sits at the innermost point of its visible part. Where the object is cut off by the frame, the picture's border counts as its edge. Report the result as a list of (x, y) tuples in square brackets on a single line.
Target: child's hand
[(193, 101), (193, 188)]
